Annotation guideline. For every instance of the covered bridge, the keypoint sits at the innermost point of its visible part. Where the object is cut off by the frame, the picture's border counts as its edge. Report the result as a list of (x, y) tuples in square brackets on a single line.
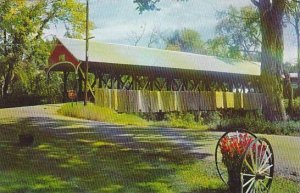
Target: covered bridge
[(131, 78)]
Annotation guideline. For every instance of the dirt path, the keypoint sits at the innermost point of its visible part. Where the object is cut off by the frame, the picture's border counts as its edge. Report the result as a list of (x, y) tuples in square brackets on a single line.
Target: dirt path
[(286, 148)]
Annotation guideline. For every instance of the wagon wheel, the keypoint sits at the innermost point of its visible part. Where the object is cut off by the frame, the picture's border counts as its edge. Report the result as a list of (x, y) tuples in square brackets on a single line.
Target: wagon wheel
[(221, 168), (257, 167)]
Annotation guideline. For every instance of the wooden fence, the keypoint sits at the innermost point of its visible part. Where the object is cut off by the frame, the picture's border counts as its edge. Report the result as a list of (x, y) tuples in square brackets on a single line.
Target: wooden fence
[(169, 101)]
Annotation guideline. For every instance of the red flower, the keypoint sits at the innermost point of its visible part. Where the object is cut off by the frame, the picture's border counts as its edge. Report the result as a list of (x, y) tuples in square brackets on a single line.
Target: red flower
[(232, 148)]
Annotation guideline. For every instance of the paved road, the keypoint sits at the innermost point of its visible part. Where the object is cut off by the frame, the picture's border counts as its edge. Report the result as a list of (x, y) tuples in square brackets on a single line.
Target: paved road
[(286, 148)]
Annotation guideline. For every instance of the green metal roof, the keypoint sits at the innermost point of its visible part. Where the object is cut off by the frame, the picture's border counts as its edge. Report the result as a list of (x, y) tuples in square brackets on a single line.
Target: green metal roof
[(100, 52)]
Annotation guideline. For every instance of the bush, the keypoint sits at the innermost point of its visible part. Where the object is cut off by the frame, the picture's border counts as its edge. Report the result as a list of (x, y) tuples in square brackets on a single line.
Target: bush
[(252, 121), (185, 117), (93, 112), (211, 118), (259, 125), (21, 100), (184, 120), (294, 113)]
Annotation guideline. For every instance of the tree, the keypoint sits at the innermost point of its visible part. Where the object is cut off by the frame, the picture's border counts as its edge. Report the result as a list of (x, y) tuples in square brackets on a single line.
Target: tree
[(219, 46), (155, 38), (271, 19), (152, 38), (186, 40), (21, 29), (288, 91), (289, 67), (143, 5), (136, 36), (293, 17), (146, 5), (240, 32)]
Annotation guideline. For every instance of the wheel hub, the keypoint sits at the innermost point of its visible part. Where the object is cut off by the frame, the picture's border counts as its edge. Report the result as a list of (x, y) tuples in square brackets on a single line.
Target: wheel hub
[(259, 176)]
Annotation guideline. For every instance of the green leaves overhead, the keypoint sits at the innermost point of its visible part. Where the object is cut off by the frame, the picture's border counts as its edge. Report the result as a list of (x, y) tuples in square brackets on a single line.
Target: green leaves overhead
[(186, 40), (22, 26), (240, 31), (148, 5), (143, 5)]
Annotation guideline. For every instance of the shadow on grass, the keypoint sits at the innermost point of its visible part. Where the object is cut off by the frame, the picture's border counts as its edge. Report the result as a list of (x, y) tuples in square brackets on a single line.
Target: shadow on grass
[(81, 156)]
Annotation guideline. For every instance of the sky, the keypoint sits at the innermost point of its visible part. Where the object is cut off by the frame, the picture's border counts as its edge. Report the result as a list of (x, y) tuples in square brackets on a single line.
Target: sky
[(117, 20)]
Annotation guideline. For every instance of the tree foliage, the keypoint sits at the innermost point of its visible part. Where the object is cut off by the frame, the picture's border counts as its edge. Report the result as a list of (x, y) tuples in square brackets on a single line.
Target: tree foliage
[(148, 5), (151, 37), (219, 46), (238, 34), (239, 30), (143, 5), (21, 43), (271, 16), (186, 40)]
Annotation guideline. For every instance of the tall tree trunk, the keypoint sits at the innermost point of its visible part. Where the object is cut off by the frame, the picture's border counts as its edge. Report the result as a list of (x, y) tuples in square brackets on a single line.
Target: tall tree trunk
[(7, 81), (4, 87), (271, 14), (288, 92)]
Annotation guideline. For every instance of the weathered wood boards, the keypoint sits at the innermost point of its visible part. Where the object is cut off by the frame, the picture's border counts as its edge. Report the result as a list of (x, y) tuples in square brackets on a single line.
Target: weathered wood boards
[(169, 101)]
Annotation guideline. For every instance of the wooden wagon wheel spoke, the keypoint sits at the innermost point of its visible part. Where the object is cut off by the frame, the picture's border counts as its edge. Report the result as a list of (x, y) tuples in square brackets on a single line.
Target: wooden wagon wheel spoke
[(250, 175), (249, 166), (250, 186), (249, 181), (264, 185), (259, 188), (260, 155), (265, 161), (268, 177), (265, 154), (267, 168), (256, 187), (258, 160), (256, 157), (252, 161)]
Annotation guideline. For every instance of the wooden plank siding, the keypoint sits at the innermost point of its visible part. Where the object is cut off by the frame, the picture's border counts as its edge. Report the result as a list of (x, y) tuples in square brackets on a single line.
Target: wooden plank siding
[(131, 101)]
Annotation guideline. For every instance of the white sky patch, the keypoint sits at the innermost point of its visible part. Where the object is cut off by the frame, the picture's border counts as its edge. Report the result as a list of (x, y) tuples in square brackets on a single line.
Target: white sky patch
[(115, 20), (290, 45), (55, 30)]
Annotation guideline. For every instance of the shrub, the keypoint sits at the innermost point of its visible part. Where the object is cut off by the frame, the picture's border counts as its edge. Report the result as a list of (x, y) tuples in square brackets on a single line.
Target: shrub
[(208, 120), (97, 113), (184, 120), (259, 125), (185, 117), (211, 118)]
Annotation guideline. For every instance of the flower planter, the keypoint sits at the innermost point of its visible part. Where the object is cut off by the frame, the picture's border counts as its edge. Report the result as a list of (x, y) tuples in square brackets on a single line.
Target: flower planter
[(247, 161), (232, 149), (234, 181)]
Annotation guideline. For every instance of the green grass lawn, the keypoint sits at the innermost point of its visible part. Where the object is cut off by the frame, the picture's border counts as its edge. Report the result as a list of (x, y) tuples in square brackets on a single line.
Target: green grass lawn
[(78, 160), (280, 143), (89, 163)]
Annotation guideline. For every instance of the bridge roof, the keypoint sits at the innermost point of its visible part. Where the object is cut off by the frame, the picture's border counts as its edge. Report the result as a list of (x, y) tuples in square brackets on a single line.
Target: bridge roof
[(133, 56)]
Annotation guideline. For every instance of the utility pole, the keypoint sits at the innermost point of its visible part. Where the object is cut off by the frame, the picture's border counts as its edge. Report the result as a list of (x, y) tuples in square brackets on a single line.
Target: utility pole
[(86, 53), (297, 19)]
